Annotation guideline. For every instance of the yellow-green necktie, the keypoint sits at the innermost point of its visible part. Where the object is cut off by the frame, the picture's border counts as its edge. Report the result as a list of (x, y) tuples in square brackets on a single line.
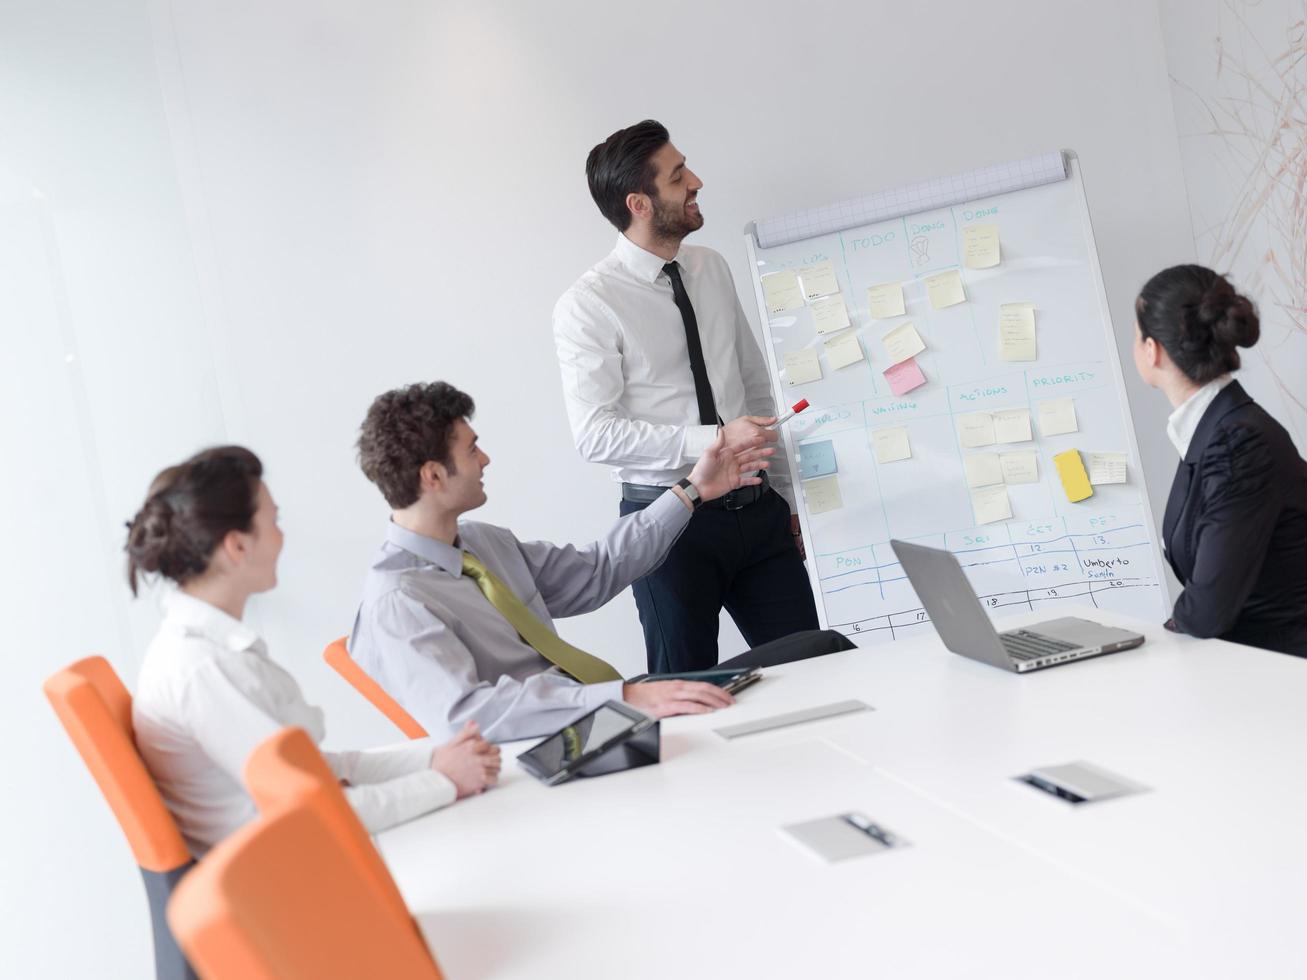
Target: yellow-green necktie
[(585, 667)]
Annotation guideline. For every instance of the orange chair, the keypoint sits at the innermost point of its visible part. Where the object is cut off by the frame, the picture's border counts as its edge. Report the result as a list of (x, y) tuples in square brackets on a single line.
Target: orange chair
[(96, 710), (280, 900), (337, 656), (288, 770)]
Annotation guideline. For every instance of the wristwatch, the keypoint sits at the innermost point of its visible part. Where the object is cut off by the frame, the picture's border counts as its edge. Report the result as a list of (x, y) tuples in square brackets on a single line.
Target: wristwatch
[(691, 491)]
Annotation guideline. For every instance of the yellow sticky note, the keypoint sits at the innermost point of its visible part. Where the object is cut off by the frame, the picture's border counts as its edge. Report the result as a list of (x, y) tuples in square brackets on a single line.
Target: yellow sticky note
[(980, 246), (1012, 425), (1019, 467), (1075, 481), (945, 289), (903, 342), (891, 444), (976, 430), (843, 350), (781, 293), (1107, 468), (1016, 332), (982, 469), (822, 494), (885, 300), (802, 366), (819, 280), (1058, 417), (829, 314), (991, 504)]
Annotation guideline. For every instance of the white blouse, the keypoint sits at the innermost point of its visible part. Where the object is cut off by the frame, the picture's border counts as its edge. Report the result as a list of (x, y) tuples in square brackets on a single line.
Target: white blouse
[(208, 694)]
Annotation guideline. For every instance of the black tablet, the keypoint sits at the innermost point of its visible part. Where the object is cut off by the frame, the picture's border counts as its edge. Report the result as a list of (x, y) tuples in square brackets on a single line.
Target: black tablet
[(605, 740)]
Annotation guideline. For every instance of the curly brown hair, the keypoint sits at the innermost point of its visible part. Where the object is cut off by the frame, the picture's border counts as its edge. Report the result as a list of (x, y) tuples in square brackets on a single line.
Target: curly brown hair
[(406, 428)]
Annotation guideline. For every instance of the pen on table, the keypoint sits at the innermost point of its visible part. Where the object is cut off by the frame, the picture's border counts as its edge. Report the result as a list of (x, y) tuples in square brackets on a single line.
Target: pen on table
[(795, 409)]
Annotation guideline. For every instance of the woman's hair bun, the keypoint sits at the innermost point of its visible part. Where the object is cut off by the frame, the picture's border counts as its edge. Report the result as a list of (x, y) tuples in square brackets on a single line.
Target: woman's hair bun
[(1230, 318)]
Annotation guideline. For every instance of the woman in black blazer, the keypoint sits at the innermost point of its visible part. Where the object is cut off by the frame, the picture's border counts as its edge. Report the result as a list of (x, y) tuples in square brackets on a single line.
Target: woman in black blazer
[(1235, 529)]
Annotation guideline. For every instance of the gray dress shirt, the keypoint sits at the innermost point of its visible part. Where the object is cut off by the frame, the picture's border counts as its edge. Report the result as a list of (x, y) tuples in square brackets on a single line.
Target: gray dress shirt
[(433, 641)]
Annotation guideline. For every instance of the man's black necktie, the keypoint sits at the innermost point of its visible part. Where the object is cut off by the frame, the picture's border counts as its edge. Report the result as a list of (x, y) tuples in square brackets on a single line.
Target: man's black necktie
[(702, 387)]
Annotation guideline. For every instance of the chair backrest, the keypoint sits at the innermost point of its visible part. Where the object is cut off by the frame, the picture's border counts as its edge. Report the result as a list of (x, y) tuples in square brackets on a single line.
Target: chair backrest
[(337, 655), (96, 710), (279, 900), (288, 770)]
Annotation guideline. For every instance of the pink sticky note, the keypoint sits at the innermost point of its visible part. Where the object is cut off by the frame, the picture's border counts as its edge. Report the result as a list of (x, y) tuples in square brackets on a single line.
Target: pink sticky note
[(905, 376)]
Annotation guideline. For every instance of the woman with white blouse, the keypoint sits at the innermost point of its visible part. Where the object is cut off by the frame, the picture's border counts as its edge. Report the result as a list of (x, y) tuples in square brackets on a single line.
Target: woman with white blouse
[(208, 693)]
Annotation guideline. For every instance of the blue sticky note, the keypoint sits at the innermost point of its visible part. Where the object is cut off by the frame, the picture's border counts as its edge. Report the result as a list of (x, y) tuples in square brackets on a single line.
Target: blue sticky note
[(817, 459)]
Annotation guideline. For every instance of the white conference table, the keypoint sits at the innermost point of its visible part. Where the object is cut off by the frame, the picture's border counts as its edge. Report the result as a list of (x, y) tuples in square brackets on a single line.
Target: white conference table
[(680, 869)]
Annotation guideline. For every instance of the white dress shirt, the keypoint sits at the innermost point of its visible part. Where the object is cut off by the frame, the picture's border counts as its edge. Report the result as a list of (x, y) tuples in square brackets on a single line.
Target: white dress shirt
[(208, 695), (626, 368), (1183, 422)]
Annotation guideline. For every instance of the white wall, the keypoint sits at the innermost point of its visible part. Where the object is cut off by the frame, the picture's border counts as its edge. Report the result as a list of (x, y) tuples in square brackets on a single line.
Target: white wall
[(258, 216)]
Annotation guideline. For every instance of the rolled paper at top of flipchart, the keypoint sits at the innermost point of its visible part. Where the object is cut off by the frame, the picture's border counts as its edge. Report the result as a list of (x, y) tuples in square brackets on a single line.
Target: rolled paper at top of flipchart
[(926, 195)]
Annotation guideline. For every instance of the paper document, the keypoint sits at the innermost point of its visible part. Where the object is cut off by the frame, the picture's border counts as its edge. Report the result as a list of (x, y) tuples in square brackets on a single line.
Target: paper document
[(802, 366), (780, 291), (945, 289), (1016, 332), (843, 350), (1057, 417), (829, 314), (903, 342), (891, 444), (886, 300), (980, 248), (1106, 468)]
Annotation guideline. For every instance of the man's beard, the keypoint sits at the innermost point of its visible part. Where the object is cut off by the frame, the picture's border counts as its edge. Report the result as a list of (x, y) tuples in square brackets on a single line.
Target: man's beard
[(673, 224)]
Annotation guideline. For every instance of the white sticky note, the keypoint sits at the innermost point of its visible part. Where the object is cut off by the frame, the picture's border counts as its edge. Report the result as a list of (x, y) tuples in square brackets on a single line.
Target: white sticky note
[(982, 469), (819, 280), (886, 300), (822, 494), (829, 314), (1057, 417), (991, 504), (802, 366), (1019, 467), (945, 289), (980, 249), (976, 430), (1016, 332), (1012, 425), (843, 350), (891, 444), (903, 342), (1106, 467), (781, 291)]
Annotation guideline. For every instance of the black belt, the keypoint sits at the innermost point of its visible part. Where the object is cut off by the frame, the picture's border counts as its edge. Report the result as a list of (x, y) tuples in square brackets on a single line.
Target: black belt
[(643, 493)]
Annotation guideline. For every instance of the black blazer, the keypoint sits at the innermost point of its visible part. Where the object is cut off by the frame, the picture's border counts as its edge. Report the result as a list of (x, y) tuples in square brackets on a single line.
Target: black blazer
[(1236, 529)]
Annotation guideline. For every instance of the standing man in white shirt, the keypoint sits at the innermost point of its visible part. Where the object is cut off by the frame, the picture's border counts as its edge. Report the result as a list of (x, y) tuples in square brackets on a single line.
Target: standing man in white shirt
[(656, 353)]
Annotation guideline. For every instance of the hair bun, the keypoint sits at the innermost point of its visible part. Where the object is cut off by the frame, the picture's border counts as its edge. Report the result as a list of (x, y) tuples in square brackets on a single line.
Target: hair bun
[(1230, 318), (150, 534)]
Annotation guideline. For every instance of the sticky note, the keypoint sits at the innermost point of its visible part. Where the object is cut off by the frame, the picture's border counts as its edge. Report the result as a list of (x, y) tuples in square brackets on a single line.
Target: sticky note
[(819, 280), (982, 469), (885, 300), (1106, 468), (780, 292), (945, 289), (843, 350), (905, 376), (1016, 332), (822, 494), (980, 246), (802, 366), (829, 314), (903, 342), (1012, 425), (1057, 417), (816, 459), (991, 504), (976, 430), (891, 445), (1019, 467), (1075, 481)]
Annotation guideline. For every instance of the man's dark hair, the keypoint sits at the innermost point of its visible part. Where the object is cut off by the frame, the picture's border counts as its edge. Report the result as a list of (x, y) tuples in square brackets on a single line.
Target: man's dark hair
[(623, 164), (406, 428)]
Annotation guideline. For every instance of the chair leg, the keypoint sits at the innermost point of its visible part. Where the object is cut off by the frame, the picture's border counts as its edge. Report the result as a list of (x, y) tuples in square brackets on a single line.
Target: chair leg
[(169, 961)]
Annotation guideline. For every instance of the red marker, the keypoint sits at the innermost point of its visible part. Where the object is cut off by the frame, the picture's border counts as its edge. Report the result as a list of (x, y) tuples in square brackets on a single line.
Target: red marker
[(795, 409)]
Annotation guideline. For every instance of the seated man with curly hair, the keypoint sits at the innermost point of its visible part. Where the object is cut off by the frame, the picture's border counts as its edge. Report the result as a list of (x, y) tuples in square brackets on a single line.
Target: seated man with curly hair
[(456, 620)]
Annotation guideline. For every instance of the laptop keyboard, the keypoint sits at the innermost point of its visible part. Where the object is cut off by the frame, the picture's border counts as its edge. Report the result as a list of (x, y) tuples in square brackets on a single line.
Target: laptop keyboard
[(1022, 645)]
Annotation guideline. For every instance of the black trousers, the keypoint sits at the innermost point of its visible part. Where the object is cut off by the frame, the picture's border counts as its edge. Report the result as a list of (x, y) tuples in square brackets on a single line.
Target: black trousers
[(743, 561)]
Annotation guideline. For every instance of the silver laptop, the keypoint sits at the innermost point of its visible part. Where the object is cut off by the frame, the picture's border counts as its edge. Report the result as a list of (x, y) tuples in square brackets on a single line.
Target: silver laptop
[(965, 628)]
